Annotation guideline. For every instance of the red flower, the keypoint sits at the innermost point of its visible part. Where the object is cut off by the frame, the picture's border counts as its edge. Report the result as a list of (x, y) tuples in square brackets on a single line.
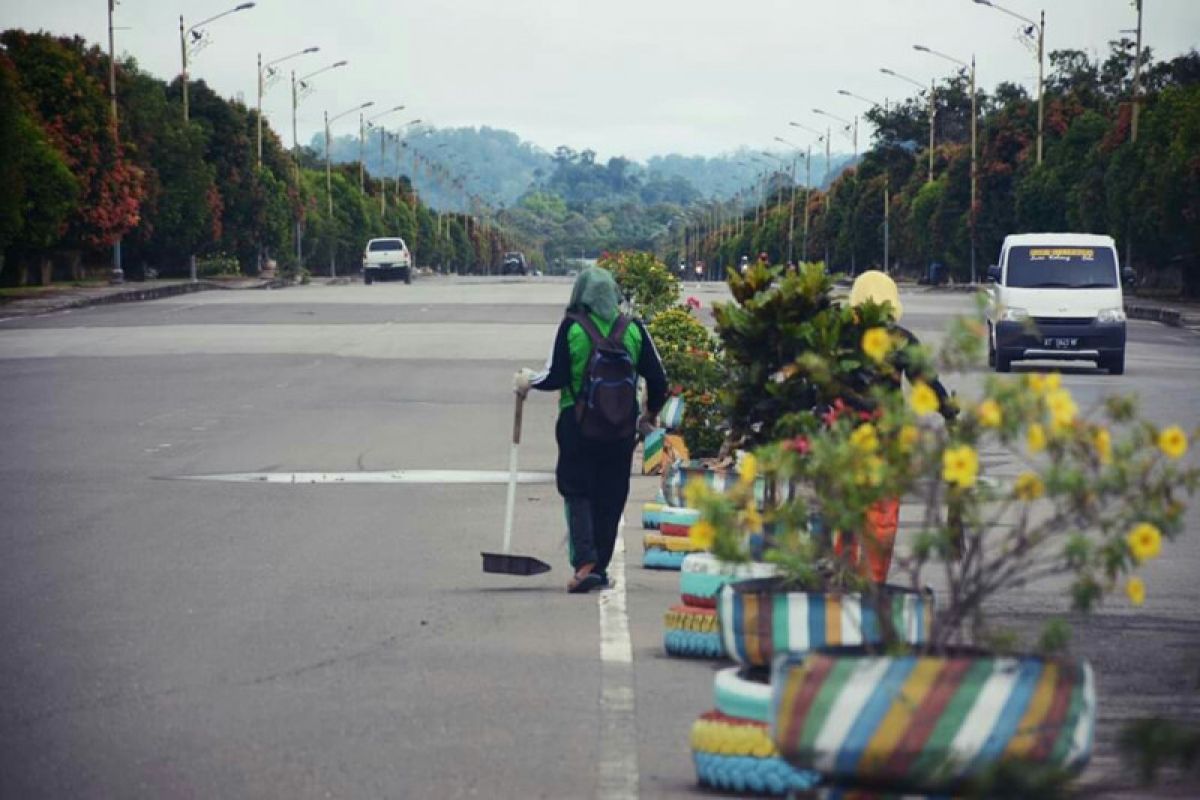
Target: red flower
[(800, 445)]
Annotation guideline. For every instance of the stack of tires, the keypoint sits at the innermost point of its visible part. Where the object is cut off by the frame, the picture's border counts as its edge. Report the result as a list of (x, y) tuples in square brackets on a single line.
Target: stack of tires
[(731, 745), (667, 548), (692, 629)]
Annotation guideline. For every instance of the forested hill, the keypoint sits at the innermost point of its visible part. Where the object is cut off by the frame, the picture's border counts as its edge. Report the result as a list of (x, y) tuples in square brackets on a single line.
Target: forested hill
[(498, 166)]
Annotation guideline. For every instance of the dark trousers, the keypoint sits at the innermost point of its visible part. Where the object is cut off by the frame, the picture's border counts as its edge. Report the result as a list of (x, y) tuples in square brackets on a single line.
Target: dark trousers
[(593, 478)]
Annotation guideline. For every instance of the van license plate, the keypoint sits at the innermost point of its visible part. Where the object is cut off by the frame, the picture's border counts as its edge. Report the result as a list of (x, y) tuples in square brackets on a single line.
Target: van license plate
[(1061, 343)]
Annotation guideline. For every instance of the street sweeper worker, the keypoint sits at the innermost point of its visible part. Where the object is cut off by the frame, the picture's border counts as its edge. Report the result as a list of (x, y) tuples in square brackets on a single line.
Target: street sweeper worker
[(597, 356), (873, 555)]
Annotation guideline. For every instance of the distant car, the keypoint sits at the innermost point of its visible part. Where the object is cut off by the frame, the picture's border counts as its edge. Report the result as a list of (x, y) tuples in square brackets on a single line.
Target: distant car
[(514, 264), (387, 257)]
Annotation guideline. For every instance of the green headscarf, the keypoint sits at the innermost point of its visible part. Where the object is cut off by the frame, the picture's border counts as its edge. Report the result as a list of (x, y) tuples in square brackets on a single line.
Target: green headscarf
[(596, 292)]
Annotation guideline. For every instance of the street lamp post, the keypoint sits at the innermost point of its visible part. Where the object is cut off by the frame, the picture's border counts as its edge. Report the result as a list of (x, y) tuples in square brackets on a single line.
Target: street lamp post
[(194, 32), (974, 140), (887, 182), (302, 83), (329, 178), (854, 137), (1040, 28), (792, 211), (118, 274), (932, 109), (363, 123), (827, 136), (261, 89)]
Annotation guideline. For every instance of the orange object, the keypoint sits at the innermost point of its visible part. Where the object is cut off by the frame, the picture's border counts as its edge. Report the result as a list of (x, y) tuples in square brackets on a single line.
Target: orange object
[(871, 553)]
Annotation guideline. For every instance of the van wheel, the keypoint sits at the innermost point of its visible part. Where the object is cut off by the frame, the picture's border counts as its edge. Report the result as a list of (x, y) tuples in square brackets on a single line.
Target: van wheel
[(408, 275), (991, 349), (367, 278), (1003, 362), (1114, 364)]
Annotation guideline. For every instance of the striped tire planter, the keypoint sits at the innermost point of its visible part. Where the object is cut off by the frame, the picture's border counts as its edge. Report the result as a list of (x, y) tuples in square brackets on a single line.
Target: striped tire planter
[(930, 723), (759, 620), (679, 515), (652, 451), (692, 632), (678, 475), (676, 544), (703, 575), (652, 515), (658, 558), (734, 754)]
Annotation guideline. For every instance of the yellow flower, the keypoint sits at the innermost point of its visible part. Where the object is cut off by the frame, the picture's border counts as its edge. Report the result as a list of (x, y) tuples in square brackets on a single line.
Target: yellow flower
[(909, 436), (752, 518), (1041, 383), (702, 534), (869, 471), (748, 469), (864, 439), (877, 344), (960, 466), (1102, 441), (1173, 441), (1036, 438), (1145, 541), (989, 413), (1062, 407), (695, 492), (1028, 487), (923, 400), (1135, 590)]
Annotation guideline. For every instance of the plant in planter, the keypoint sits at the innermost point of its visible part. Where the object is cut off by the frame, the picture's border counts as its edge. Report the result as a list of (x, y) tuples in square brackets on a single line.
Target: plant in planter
[(692, 358), (1095, 494), (647, 284)]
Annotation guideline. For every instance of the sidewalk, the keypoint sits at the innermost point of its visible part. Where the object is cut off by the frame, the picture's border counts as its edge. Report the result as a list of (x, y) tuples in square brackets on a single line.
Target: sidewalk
[(44, 300)]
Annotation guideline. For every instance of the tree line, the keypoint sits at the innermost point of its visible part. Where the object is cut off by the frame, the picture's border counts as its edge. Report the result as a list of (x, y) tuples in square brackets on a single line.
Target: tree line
[(1093, 178), (78, 178)]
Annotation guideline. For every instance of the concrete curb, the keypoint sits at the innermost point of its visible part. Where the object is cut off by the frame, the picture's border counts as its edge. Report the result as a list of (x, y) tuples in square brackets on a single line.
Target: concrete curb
[(50, 305), (1167, 316)]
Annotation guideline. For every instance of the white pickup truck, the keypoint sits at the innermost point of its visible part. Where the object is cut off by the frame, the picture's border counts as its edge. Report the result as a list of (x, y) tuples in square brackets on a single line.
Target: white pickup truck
[(386, 257)]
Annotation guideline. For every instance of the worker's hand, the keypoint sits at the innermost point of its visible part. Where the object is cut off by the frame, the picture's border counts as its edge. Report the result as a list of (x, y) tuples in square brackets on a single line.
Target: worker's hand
[(522, 381), (647, 423)]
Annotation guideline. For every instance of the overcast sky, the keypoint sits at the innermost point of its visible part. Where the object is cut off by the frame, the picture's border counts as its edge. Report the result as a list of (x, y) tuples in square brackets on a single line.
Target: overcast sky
[(622, 77)]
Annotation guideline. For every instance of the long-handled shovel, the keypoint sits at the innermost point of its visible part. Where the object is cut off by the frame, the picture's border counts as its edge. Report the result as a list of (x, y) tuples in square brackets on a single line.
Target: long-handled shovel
[(506, 562)]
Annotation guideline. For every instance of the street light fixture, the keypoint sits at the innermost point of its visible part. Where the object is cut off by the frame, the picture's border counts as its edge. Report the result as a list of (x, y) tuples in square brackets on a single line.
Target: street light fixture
[(195, 33), (329, 174), (920, 48), (301, 83), (1040, 28), (932, 108), (262, 88), (362, 139), (847, 123), (828, 137)]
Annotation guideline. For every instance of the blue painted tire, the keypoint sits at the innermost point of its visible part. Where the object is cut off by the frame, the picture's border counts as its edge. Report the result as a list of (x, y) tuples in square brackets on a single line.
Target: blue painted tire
[(693, 644), (747, 774), (652, 515), (657, 558)]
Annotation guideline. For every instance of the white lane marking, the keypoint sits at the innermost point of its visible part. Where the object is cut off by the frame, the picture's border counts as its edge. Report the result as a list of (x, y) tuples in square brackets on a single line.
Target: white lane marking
[(618, 767), (475, 476)]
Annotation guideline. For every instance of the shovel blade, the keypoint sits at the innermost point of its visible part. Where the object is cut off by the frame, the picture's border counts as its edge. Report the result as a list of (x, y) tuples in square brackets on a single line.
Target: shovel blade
[(508, 564)]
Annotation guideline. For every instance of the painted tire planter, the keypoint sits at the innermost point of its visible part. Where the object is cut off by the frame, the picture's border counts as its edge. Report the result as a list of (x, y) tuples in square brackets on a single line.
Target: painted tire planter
[(652, 515), (692, 632), (676, 544), (658, 558), (677, 475), (743, 692), (929, 723), (703, 574), (759, 620), (734, 754)]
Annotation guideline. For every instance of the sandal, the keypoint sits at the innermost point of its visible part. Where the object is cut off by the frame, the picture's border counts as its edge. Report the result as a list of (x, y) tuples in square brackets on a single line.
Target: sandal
[(584, 581)]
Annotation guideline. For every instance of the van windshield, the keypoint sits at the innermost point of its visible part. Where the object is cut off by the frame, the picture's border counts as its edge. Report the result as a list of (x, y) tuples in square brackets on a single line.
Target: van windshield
[(1061, 268), (386, 244)]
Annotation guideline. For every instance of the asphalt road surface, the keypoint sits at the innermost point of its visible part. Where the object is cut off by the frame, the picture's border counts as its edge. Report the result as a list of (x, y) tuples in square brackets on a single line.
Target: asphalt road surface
[(165, 637)]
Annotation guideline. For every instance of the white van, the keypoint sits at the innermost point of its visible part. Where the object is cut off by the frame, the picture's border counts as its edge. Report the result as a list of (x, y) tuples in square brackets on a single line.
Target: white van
[(1057, 296), (384, 257)]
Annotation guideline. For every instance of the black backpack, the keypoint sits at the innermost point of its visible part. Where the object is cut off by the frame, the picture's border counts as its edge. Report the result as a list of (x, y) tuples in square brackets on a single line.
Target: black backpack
[(606, 407)]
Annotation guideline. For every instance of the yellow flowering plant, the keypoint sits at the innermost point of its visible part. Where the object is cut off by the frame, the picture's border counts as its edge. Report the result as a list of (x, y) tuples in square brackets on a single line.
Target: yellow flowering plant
[(1027, 484)]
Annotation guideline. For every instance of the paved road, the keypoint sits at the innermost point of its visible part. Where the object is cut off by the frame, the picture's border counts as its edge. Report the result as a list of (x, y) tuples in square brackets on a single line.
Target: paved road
[(193, 638)]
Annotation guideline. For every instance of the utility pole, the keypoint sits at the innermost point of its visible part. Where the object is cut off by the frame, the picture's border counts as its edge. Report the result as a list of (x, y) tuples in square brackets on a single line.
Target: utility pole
[(807, 194), (118, 274), (1133, 119)]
